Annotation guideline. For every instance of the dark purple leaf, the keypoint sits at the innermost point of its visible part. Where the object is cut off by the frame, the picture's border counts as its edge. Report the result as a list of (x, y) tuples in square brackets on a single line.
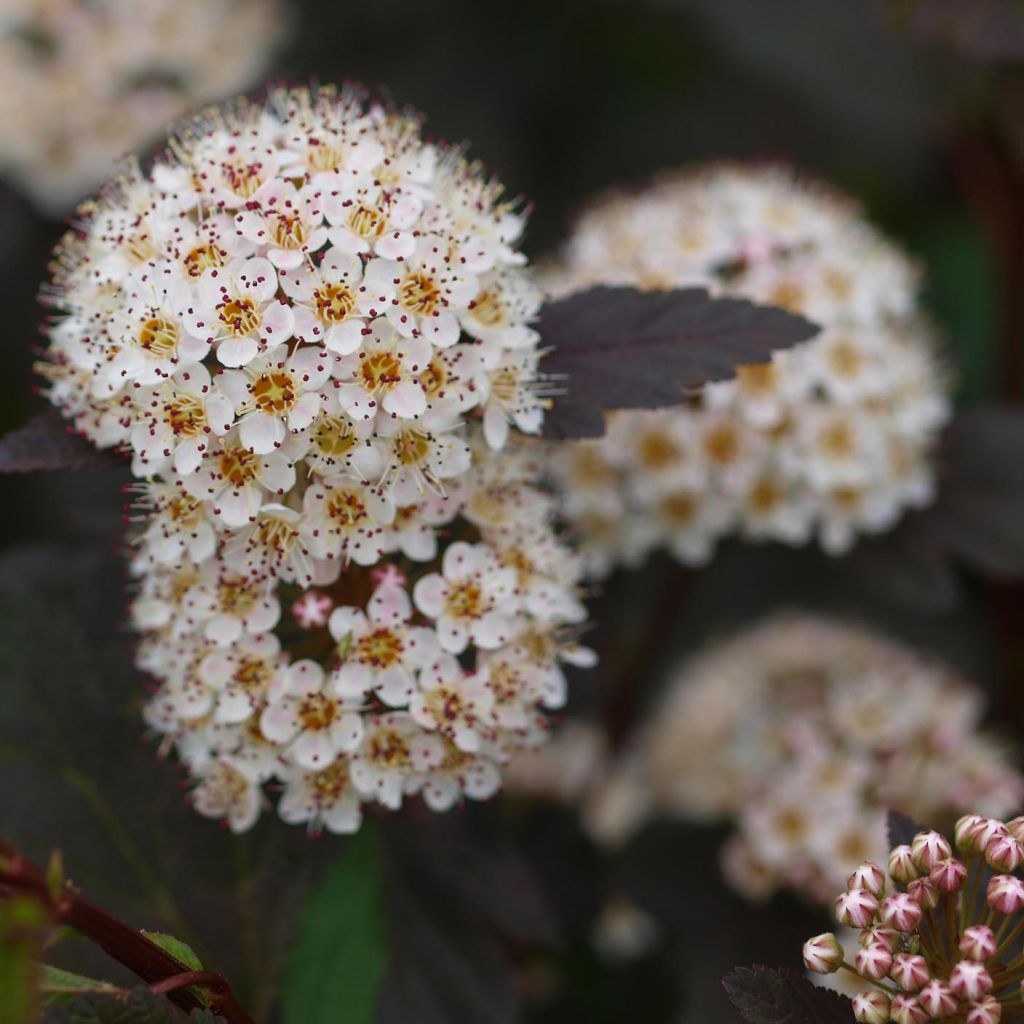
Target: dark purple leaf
[(457, 897), (901, 829), (773, 995), (975, 522), (991, 30), (48, 442), (619, 348)]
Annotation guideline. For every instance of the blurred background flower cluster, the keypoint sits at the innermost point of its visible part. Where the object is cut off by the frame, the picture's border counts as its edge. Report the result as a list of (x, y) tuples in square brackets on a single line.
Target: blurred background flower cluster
[(770, 680)]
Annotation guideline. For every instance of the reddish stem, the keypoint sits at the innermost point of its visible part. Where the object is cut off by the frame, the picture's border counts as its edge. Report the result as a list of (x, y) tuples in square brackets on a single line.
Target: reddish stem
[(122, 942)]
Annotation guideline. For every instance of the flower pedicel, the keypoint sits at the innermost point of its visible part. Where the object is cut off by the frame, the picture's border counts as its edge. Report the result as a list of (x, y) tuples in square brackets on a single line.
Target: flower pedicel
[(312, 331), (941, 933)]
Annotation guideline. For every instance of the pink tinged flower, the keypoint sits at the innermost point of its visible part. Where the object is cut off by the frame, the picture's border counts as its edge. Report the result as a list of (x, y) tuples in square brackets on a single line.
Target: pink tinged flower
[(970, 980), (986, 829), (948, 874), (910, 971), (937, 999), (312, 609), (823, 954), (928, 848), (856, 908), (1003, 853), (985, 1011), (978, 943), (907, 1010), (924, 892), (868, 876), (901, 911), (388, 575), (901, 865), (1005, 894), (873, 961), (871, 1007)]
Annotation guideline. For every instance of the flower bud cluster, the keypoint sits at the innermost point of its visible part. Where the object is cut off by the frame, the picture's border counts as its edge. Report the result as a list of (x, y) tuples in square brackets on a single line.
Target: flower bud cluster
[(312, 331), (940, 938), (831, 439), (803, 732), (84, 81)]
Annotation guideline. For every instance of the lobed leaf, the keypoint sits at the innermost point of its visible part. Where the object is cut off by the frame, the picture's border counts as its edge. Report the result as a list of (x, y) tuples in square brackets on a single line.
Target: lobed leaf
[(773, 995), (619, 348), (140, 1006), (47, 442)]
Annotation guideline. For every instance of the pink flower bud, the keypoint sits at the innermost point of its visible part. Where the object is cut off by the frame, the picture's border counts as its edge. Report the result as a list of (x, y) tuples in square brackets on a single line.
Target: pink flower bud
[(867, 876), (928, 848), (970, 980), (966, 833), (910, 971), (1005, 894), (856, 908), (823, 954), (901, 911), (924, 892), (907, 1010), (978, 943), (873, 961), (871, 1007), (949, 874), (987, 828), (1015, 826), (901, 865), (937, 999), (1004, 853), (878, 933), (985, 1011)]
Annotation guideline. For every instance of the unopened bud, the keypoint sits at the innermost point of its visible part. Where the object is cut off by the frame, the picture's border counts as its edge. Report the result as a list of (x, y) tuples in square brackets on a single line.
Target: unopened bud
[(823, 954), (856, 908), (873, 961), (907, 1010), (970, 981), (978, 943), (924, 892), (928, 848), (966, 833), (901, 912), (901, 865), (949, 874), (1015, 826), (880, 934), (867, 876), (988, 829), (1004, 853), (985, 1011), (871, 1007), (910, 971), (937, 999), (1005, 894)]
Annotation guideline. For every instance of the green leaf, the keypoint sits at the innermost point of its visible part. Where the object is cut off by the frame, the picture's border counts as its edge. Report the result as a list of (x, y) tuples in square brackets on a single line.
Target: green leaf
[(181, 951), (60, 986), (140, 1006), (339, 957), (21, 934)]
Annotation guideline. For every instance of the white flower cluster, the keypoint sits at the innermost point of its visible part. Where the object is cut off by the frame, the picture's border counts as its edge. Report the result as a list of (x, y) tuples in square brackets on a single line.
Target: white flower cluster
[(804, 732), (84, 81), (311, 329), (831, 438)]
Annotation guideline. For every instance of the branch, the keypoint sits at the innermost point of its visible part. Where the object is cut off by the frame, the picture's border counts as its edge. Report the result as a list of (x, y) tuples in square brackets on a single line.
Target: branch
[(161, 971)]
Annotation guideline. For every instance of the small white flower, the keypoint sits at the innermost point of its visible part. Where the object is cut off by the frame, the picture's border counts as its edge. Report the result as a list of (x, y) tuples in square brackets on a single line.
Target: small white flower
[(472, 599), (287, 221), (393, 753), (305, 717), (320, 799), (457, 705)]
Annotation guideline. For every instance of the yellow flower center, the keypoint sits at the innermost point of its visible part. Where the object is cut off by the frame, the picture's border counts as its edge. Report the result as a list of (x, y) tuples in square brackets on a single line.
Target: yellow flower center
[(158, 337), (464, 600), (380, 648), (317, 711), (334, 303), (240, 316), (274, 393), (419, 294)]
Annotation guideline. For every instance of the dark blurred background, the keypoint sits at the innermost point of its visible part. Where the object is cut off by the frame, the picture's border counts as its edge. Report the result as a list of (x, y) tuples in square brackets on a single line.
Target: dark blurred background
[(562, 98)]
